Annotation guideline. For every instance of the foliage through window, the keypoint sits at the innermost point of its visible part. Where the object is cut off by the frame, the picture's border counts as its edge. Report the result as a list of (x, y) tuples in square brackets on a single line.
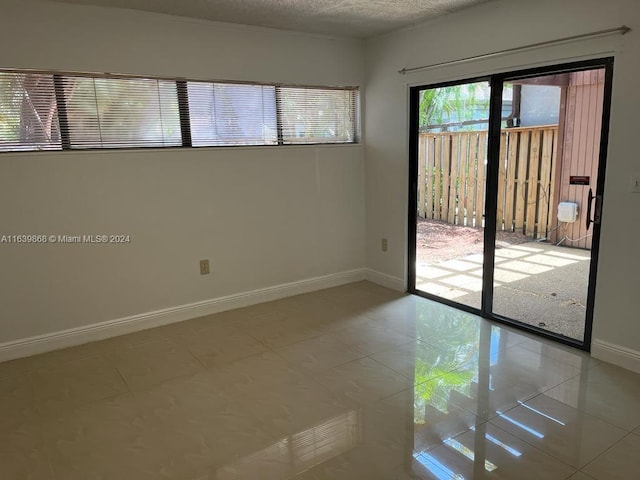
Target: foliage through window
[(28, 112), (463, 107), (51, 111), (314, 115)]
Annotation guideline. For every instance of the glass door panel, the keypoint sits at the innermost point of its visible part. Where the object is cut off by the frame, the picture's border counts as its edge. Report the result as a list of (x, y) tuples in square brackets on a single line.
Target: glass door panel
[(548, 163), (452, 166)]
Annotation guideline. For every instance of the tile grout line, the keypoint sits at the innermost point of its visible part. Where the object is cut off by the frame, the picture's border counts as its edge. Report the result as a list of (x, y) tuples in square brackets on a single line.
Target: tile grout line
[(605, 451)]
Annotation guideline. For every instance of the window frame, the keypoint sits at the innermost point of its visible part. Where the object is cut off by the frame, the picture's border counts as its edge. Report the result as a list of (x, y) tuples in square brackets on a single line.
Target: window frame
[(185, 119)]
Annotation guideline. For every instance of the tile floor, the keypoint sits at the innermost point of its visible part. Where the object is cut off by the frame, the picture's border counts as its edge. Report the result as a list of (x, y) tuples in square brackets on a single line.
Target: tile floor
[(354, 382)]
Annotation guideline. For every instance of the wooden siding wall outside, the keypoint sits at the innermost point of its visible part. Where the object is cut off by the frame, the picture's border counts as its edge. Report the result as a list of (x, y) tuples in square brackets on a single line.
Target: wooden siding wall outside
[(582, 126), (452, 172)]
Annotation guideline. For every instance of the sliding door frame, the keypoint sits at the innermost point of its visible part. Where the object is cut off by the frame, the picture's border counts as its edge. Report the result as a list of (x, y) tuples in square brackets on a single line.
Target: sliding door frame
[(496, 82), (414, 107)]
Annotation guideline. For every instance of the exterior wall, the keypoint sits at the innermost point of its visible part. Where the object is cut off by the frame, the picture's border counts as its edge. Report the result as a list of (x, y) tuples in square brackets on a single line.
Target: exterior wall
[(580, 153)]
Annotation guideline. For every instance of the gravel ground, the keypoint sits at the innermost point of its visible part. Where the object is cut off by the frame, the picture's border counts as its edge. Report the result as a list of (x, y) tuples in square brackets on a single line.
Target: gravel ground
[(439, 241)]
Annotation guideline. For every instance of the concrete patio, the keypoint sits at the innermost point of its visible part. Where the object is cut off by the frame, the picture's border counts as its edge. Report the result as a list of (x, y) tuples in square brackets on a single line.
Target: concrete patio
[(536, 283)]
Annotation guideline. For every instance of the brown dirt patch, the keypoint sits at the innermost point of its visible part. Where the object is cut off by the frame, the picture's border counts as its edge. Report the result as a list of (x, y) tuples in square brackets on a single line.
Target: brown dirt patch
[(439, 241)]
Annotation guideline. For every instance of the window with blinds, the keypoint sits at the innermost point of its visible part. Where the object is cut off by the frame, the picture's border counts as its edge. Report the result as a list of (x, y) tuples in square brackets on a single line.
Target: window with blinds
[(318, 115), (121, 113), (28, 112), (54, 111), (232, 114)]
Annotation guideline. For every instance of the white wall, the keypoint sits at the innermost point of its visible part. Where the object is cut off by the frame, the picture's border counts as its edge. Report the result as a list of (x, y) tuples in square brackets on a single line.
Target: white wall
[(496, 26), (264, 216)]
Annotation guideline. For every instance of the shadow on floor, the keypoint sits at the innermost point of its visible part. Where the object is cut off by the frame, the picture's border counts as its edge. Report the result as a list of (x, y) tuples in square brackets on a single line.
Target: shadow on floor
[(535, 283)]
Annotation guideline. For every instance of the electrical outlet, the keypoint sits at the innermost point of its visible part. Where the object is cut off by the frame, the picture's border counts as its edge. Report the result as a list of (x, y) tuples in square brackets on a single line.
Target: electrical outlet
[(635, 184), (204, 267), (384, 245)]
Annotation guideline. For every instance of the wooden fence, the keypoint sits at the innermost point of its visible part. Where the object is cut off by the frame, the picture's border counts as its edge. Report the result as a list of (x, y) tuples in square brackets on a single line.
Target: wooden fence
[(452, 174)]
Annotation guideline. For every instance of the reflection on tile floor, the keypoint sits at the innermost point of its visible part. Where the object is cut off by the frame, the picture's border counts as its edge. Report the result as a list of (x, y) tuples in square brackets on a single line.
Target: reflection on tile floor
[(354, 382)]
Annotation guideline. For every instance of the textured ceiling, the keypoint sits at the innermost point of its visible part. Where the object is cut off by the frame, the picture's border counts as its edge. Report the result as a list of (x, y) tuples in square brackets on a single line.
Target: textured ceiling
[(353, 18)]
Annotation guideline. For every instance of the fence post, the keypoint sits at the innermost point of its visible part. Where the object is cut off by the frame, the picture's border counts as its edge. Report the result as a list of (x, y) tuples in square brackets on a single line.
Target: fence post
[(453, 179), (532, 183), (464, 179), (545, 182), (422, 172), (521, 185), (446, 176), (501, 180), (481, 175), (437, 180), (430, 172), (512, 158), (473, 178), (552, 184)]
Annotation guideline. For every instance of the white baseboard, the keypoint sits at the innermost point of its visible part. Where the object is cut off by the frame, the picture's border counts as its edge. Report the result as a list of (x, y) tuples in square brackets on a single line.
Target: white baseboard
[(121, 326), (622, 356), (389, 281)]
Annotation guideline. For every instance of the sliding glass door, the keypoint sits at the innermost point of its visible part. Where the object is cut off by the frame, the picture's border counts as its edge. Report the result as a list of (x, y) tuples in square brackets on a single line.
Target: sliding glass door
[(506, 184), (548, 165)]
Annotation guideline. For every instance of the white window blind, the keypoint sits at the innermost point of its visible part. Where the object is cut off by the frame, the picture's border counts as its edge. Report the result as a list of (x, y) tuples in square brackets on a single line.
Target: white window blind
[(54, 111), (318, 115), (28, 112), (232, 114), (121, 113)]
